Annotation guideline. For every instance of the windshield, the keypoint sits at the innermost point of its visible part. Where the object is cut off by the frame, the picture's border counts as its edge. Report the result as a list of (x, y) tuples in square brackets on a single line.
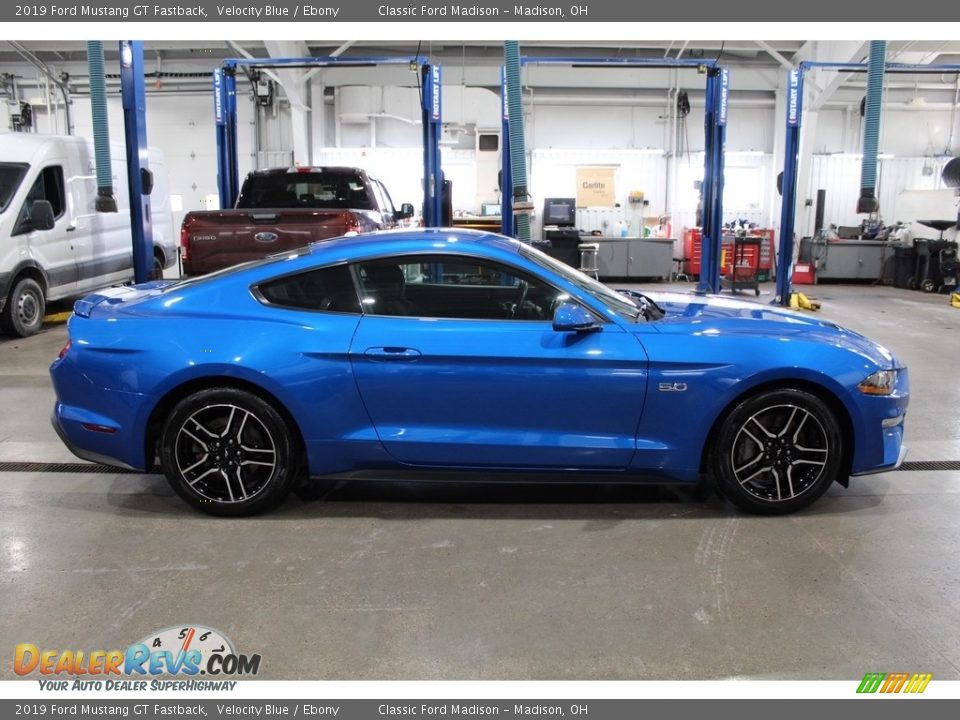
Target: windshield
[(11, 175), (332, 189), (616, 302)]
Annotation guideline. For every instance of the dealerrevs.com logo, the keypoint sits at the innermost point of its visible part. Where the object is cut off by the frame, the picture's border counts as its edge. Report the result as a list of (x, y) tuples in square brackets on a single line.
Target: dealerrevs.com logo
[(179, 651), (892, 683)]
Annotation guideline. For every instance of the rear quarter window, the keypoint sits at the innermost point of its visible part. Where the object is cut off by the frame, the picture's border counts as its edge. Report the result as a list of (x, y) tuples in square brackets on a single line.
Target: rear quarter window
[(324, 290)]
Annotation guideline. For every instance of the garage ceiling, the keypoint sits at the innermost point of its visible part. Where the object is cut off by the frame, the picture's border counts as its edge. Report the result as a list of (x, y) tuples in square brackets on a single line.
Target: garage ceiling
[(735, 52), (766, 60)]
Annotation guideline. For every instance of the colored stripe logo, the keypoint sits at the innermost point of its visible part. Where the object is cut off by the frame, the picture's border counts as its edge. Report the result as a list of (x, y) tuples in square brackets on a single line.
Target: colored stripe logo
[(894, 683)]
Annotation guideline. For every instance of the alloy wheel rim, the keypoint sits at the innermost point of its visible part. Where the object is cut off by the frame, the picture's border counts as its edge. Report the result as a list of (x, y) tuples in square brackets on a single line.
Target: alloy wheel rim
[(225, 453), (779, 453)]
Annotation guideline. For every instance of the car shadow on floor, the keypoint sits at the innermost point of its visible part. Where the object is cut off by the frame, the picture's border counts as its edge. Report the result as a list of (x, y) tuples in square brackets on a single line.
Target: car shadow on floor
[(402, 499), (422, 500)]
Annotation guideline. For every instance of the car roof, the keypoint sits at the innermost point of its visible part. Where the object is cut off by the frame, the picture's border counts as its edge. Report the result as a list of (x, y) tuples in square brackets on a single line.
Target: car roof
[(384, 243), (308, 169), (413, 240)]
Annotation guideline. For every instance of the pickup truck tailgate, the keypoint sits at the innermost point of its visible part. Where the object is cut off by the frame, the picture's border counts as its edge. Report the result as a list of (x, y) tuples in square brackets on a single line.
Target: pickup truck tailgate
[(217, 239)]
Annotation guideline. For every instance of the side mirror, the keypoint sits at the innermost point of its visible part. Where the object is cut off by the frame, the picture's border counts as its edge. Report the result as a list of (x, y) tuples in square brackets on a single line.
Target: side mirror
[(146, 180), (570, 317), (405, 211), (41, 215)]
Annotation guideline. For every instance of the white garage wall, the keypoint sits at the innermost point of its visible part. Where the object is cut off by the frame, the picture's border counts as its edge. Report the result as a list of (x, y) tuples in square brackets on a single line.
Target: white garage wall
[(181, 126), (908, 133), (401, 170), (600, 127), (553, 173), (839, 175), (390, 116), (558, 126)]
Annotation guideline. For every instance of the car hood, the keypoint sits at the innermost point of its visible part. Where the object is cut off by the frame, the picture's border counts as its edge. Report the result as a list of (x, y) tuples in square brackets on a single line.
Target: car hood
[(717, 315)]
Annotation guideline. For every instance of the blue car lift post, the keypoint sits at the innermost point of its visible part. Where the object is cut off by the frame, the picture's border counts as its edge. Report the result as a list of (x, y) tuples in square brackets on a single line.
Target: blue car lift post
[(133, 94), (430, 106), (791, 165), (225, 116), (506, 168), (715, 120)]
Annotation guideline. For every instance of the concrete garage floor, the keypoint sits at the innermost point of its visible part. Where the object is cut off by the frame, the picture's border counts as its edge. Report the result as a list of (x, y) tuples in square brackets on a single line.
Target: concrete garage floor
[(407, 581)]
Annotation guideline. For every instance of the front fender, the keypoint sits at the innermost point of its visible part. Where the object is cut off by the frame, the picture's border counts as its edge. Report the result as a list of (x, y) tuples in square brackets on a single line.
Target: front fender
[(694, 380)]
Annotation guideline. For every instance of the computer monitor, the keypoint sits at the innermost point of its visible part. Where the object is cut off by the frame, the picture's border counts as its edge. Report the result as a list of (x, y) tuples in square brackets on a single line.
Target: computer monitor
[(560, 211)]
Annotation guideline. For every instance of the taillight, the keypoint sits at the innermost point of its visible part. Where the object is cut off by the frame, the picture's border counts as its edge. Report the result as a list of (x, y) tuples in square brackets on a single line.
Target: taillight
[(184, 242), (65, 350), (352, 225)]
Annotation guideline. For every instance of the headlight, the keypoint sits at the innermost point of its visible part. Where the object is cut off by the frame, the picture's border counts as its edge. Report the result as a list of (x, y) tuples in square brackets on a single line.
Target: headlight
[(882, 382)]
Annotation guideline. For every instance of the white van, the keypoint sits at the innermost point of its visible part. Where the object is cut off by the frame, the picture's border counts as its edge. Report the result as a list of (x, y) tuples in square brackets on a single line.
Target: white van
[(82, 250)]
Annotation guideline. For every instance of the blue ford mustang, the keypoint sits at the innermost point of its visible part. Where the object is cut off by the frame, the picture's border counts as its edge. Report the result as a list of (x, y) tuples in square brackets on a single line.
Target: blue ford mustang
[(431, 351)]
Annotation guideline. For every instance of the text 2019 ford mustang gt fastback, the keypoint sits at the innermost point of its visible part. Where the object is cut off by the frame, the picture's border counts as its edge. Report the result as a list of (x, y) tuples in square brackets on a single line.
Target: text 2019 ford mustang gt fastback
[(438, 351)]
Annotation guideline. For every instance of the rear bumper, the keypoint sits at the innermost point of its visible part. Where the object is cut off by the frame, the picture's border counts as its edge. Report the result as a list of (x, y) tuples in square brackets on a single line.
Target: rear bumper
[(95, 423), (81, 453)]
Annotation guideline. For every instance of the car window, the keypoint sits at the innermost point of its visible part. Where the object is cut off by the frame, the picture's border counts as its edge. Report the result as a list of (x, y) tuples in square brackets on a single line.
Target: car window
[(11, 174), (325, 290), (446, 286), (47, 186), (386, 204), (329, 188), (617, 302)]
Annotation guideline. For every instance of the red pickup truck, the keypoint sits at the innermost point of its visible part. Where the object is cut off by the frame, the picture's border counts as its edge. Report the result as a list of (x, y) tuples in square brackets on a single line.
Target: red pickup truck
[(284, 209)]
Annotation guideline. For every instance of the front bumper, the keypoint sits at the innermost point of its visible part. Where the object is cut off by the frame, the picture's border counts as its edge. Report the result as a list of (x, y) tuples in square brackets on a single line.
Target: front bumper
[(879, 440)]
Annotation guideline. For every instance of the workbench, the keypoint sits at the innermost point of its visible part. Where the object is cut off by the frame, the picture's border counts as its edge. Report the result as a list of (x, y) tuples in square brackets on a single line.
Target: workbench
[(848, 259)]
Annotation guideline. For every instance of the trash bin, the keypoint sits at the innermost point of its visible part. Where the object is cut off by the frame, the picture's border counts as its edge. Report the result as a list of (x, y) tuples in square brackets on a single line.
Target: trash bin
[(904, 266)]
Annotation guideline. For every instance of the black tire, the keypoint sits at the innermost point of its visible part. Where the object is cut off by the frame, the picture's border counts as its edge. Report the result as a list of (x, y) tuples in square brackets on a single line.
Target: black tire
[(928, 285), (777, 452), (228, 452), (22, 316), (156, 272)]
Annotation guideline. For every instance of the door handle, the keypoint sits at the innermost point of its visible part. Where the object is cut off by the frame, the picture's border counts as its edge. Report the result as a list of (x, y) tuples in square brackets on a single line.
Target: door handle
[(392, 353)]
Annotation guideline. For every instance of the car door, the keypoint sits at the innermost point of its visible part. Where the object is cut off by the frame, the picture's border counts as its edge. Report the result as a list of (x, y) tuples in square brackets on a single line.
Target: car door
[(458, 365), (53, 249), (103, 239)]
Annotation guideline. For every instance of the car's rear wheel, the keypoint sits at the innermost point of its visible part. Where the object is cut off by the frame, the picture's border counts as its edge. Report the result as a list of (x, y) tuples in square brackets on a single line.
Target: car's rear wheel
[(228, 452), (778, 451)]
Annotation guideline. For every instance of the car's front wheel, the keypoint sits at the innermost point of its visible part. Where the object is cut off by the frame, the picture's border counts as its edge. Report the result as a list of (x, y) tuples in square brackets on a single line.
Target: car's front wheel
[(228, 452), (777, 452)]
